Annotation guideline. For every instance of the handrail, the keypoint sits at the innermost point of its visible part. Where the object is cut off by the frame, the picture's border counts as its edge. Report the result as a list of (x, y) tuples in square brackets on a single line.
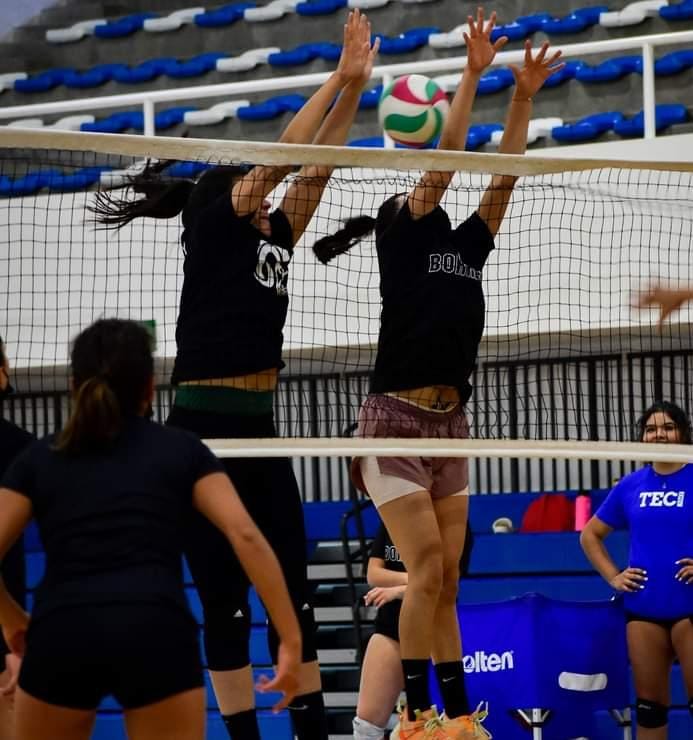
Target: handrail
[(148, 99)]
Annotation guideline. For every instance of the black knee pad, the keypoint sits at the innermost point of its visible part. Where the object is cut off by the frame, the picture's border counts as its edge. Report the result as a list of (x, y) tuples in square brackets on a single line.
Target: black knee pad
[(306, 621), (651, 714), (227, 636)]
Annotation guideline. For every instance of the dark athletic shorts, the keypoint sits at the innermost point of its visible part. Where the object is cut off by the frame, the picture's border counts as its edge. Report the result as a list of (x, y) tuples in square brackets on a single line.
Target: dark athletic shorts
[(387, 619), (138, 653), (666, 623)]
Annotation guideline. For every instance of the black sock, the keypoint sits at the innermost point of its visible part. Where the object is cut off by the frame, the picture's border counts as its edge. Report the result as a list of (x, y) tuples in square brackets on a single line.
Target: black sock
[(242, 726), (308, 716), (416, 685), (452, 688)]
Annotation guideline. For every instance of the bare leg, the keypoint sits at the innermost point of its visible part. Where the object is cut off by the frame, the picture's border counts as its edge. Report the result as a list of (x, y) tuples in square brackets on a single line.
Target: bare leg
[(651, 655), (33, 716), (381, 680), (412, 524), (682, 638), (452, 513), (234, 690), (179, 717)]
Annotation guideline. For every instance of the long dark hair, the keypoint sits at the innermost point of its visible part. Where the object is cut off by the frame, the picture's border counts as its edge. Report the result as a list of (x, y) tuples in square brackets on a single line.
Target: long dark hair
[(355, 229), (675, 413), (163, 197), (112, 367)]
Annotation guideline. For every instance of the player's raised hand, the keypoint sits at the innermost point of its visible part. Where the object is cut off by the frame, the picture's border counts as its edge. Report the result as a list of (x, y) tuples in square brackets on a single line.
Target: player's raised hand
[(530, 78), (481, 51), (356, 61), (668, 300)]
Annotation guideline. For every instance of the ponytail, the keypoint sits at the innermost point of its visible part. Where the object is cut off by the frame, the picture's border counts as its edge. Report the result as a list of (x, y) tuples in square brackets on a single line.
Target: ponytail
[(96, 418), (112, 369), (355, 229)]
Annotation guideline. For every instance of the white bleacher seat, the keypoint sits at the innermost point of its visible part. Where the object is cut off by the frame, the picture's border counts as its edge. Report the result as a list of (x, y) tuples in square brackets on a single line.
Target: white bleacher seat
[(7, 79), (117, 178), (216, 114), (73, 33), (173, 21), (26, 123), (367, 4), (632, 14), (448, 83), (450, 39), (539, 128), (274, 10), (67, 123), (247, 60)]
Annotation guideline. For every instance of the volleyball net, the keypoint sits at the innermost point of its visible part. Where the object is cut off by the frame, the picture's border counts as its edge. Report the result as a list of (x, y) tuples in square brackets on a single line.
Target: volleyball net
[(565, 355)]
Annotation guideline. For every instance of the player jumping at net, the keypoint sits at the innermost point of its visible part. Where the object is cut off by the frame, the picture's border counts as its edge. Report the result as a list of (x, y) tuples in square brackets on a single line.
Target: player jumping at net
[(655, 504), (229, 341), (431, 324), (112, 494)]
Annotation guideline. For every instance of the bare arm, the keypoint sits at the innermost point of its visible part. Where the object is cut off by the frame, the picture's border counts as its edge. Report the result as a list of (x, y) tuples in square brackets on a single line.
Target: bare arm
[(592, 541), (378, 575), (15, 514), (528, 81), (304, 193), (216, 498), (427, 194), (248, 193)]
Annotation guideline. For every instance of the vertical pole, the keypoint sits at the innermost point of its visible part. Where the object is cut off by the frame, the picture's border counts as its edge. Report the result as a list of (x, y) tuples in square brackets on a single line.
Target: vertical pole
[(648, 91), (537, 721), (149, 124)]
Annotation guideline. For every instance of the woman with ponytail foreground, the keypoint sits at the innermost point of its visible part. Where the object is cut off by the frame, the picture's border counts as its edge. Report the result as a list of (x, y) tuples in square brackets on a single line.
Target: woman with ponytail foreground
[(112, 494), (431, 324)]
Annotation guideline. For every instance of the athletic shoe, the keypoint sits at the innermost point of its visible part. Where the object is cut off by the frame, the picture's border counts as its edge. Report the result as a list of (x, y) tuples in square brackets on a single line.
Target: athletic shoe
[(428, 725), (468, 726)]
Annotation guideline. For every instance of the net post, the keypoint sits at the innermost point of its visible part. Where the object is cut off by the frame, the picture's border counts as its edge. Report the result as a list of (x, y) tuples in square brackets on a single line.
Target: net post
[(648, 91), (149, 120)]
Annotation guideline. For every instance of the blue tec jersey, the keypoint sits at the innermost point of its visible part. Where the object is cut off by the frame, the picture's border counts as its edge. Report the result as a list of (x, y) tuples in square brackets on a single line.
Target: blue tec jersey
[(658, 511)]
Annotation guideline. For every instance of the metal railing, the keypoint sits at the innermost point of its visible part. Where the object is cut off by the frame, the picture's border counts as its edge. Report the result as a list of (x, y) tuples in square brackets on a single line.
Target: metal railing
[(148, 99)]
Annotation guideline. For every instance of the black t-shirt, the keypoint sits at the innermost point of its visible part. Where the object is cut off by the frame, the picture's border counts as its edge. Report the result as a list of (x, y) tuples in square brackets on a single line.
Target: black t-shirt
[(112, 522), (433, 304), (13, 440), (234, 299), (382, 548)]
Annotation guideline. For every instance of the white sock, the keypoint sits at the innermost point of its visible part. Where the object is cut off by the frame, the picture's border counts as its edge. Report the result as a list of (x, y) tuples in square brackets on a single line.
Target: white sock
[(365, 730)]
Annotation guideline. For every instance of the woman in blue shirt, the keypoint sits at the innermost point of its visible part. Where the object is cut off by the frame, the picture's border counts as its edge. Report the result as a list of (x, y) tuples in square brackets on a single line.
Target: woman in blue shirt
[(655, 504)]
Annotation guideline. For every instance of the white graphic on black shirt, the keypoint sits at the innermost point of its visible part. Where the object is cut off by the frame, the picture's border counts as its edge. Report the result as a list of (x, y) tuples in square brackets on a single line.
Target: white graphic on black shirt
[(452, 264), (272, 270)]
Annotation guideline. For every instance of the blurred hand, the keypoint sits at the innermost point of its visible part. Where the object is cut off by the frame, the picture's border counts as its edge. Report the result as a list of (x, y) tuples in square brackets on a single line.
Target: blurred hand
[(629, 580), (685, 574), (480, 51), (536, 70), (666, 299), (356, 61), (381, 595), (286, 676), (12, 665)]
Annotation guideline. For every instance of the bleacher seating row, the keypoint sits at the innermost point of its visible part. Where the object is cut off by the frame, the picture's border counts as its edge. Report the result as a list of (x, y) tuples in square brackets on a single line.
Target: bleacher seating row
[(578, 20), (197, 66), (53, 180)]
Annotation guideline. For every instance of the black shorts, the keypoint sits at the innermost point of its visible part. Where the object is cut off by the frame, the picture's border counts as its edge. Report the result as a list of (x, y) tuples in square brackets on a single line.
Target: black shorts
[(387, 620), (138, 653), (666, 623), (269, 491)]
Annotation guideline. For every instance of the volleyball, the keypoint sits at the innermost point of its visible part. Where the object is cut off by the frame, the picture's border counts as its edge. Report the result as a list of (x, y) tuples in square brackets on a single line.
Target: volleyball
[(412, 110)]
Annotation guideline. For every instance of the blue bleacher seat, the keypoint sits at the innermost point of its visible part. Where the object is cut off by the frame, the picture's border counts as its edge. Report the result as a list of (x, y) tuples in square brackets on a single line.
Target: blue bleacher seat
[(171, 116), (588, 128), (674, 62), (515, 31), (374, 142), (677, 12), (305, 53), (224, 16), (407, 41), (481, 134), (43, 81), (116, 123), (123, 26), (271, 108), (666, 114), (320, 7), (370, 98), (28, 184), (495, 80), (574, 22), (567, 73), (187, 169), (98, 75), (611, 69), (195, 67)]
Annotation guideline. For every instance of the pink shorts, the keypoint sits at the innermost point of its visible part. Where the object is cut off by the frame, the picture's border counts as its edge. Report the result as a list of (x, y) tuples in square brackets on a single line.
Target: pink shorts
[(385, 416)]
